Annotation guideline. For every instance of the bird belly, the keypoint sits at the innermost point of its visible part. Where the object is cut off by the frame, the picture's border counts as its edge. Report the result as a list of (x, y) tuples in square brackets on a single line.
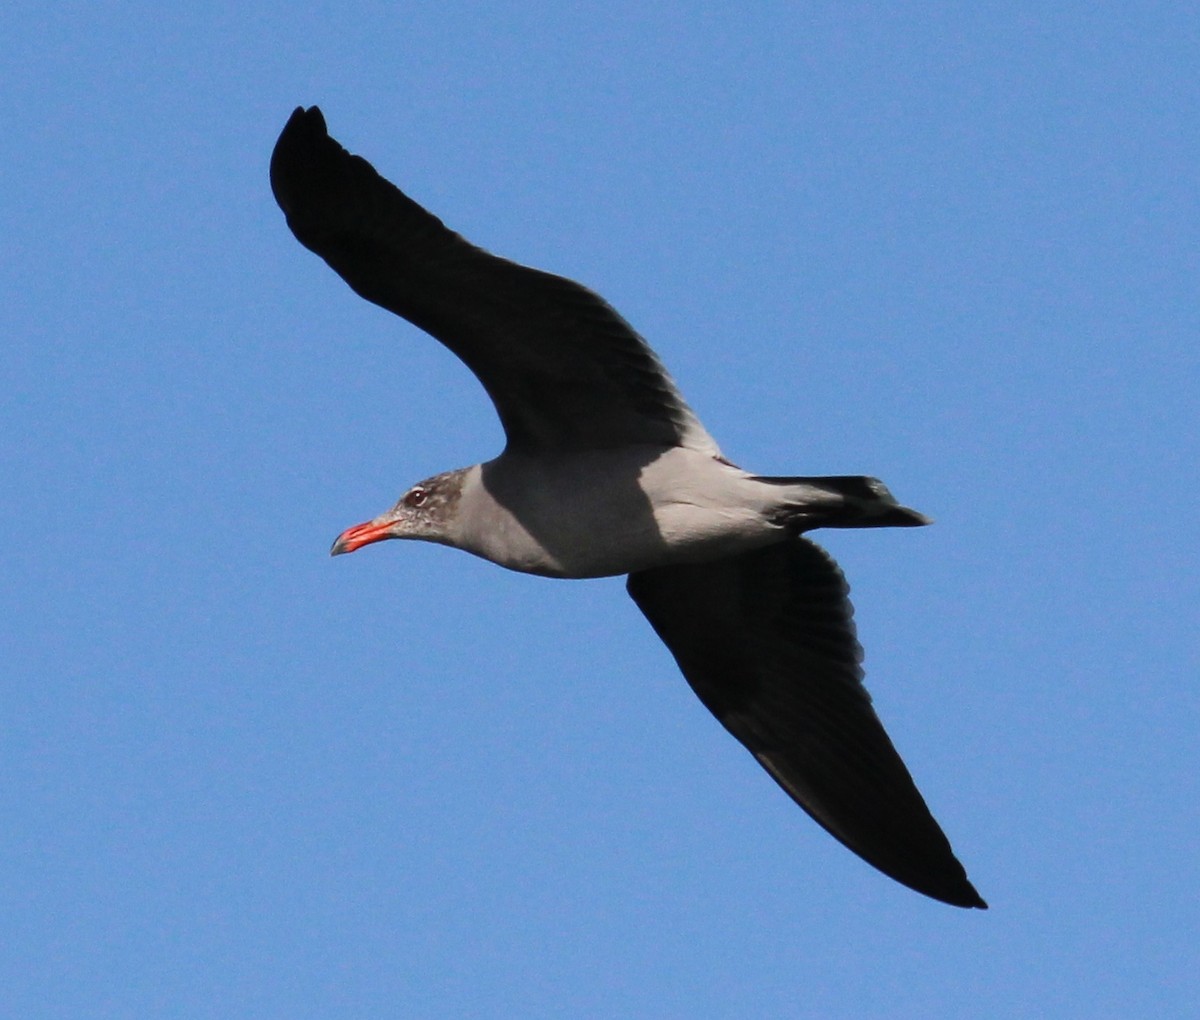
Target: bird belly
[(607, 513)]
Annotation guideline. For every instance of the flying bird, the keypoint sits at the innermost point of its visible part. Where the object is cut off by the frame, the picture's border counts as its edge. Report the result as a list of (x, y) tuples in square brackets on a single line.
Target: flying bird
[(607, 471)]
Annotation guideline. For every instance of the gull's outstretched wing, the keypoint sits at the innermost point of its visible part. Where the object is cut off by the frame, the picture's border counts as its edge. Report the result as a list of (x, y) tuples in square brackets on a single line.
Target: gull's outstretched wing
[(766, 640), (564, 370)]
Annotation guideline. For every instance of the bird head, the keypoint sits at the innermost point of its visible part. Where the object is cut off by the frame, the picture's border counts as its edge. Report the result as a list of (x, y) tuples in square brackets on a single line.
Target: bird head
[(424, 512)]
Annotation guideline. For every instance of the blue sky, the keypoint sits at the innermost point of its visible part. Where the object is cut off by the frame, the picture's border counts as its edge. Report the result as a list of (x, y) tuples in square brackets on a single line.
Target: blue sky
[(951, 245)]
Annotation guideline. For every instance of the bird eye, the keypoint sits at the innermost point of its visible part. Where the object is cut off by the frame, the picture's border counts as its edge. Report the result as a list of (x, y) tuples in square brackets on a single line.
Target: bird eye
[(416, 497)]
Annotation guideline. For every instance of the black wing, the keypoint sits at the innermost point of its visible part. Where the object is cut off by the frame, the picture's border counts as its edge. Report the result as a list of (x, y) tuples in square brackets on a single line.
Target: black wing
[(766, 639), (564, 370)]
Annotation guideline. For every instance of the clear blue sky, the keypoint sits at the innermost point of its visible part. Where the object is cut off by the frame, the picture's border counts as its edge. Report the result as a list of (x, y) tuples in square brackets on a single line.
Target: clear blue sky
[(951, 245)]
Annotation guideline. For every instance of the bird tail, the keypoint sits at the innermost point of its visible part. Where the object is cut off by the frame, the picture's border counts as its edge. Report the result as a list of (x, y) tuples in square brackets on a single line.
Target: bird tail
[(840, 501)]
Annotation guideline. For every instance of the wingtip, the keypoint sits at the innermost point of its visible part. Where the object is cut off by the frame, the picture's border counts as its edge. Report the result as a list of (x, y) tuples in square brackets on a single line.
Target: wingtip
[(296, 161), (302, 128), (942, 878), (968, 899), (955, 891), (310, 116)]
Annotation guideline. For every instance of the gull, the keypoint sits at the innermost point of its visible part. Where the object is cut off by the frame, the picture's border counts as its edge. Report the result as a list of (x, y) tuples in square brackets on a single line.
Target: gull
[(606, 471)]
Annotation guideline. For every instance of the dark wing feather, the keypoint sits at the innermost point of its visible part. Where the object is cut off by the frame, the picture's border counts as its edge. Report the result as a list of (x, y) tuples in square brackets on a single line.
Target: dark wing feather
[(767, 641), (564, 370)]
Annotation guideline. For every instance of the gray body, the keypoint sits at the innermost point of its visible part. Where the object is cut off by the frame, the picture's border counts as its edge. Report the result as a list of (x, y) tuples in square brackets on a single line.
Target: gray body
[(601, 513)]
